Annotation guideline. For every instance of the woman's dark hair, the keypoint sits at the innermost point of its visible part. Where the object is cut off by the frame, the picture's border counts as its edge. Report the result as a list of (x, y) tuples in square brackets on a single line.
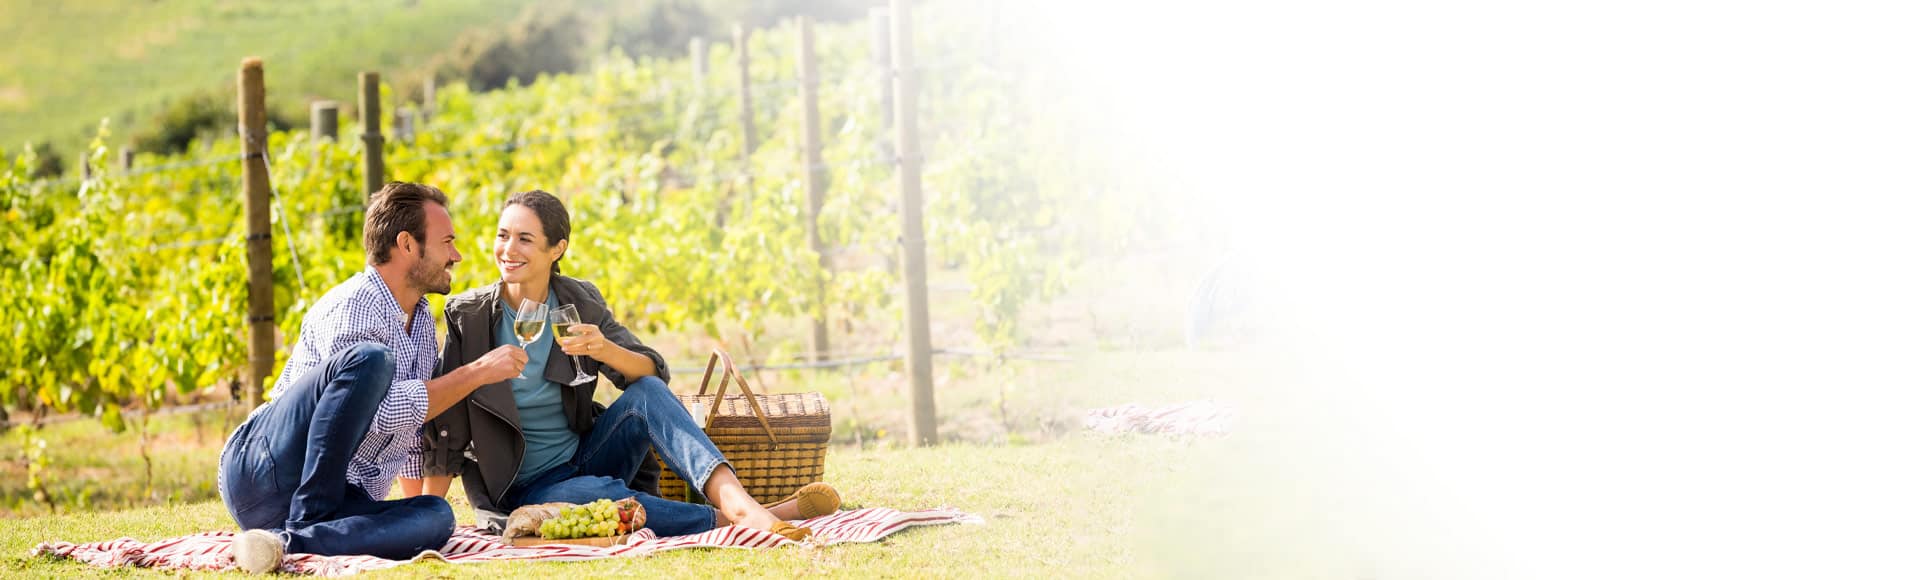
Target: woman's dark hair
[(553, 217)]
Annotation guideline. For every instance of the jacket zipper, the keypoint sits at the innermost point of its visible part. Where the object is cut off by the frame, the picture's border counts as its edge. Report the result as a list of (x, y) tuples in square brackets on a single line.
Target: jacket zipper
[(516, 461)]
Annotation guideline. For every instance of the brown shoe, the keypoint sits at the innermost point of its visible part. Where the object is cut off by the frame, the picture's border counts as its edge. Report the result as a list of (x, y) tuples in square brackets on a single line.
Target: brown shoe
[(816, 499), (790, 531)]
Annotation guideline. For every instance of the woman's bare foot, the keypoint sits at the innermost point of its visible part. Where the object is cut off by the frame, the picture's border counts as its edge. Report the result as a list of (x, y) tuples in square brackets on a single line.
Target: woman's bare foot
[(787, 510), (736, 506)]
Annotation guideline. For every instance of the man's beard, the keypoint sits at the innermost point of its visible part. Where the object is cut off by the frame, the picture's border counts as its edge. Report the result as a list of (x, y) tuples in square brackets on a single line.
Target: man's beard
[(430, 277)]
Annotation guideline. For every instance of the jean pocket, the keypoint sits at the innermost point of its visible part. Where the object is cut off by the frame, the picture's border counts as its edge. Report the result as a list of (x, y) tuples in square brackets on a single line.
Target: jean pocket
[(255, 477)]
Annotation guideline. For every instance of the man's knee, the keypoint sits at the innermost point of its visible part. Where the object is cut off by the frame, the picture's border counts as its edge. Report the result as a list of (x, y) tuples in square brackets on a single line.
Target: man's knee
[(368, 355), (431, 506), (434, 518), (364, 372)]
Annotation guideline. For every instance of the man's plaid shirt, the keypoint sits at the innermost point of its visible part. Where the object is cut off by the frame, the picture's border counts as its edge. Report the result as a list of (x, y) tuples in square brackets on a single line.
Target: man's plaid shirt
[(363, 309)]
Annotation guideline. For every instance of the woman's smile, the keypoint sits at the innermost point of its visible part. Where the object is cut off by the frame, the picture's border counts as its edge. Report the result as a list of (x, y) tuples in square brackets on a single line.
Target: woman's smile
[(520, 248)]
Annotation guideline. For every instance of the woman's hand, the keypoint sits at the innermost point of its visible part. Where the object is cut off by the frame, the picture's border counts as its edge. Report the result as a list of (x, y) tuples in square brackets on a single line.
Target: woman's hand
[(586, 340)]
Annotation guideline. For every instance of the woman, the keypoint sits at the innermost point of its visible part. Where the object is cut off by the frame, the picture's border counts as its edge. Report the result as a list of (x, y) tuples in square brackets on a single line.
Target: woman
[(535, 440)]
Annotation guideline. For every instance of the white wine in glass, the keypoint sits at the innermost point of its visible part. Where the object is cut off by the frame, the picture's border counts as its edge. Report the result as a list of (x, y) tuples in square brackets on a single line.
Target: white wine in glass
[(563, 319), (528, 322), (527, 331)]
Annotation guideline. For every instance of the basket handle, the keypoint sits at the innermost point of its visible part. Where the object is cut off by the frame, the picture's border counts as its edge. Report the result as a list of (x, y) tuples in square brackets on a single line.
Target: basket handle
[(728, 371)]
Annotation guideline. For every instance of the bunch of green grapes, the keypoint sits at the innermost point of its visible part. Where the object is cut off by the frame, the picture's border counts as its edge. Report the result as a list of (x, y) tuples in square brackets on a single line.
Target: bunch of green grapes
[(600, 518)]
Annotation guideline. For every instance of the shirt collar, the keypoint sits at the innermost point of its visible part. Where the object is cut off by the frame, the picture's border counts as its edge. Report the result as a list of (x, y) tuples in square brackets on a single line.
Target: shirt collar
[(386, 299)]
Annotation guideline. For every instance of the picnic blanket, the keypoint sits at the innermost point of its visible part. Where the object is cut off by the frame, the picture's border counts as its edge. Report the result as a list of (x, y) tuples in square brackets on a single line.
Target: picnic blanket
[(1190, 418), (209, 550)]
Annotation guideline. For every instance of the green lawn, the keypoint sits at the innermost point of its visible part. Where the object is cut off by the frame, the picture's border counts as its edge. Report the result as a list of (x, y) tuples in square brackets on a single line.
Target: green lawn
[(1071, 507), (1058, 501), (67, 64)]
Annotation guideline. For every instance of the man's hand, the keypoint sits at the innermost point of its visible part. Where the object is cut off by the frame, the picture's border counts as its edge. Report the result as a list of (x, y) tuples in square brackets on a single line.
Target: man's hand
[(500, 364)]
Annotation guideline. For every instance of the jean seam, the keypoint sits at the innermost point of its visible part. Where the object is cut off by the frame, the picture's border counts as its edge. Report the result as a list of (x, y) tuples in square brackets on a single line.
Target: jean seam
[(706, 474)]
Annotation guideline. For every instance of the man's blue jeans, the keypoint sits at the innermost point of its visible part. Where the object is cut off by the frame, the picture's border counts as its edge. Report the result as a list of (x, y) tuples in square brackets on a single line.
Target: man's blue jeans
[(645, 416), (285, 468)]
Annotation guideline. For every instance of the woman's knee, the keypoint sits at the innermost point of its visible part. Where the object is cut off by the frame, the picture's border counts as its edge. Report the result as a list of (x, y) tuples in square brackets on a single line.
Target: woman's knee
[(646, 383), (639, 394)]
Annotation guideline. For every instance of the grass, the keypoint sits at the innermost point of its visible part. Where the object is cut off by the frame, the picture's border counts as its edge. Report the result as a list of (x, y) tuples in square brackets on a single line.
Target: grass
[(68, 64), (1069, 504), (1063, 508)]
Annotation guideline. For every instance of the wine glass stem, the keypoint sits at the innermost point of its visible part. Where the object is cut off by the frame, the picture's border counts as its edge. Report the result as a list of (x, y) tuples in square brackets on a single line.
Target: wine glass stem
[(523, 372), (579, 370)]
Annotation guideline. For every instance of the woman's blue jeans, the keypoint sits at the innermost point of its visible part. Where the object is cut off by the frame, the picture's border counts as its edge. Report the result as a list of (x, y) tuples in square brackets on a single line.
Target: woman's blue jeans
[(285, 468), (645, 416)]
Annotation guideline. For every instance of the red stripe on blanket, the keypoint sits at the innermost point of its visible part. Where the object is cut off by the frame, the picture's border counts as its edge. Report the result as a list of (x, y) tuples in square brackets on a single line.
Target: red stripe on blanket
[(210, 550)]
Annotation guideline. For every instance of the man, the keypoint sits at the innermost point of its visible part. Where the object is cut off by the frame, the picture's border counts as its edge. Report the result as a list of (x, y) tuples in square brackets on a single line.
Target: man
[(306, 472)]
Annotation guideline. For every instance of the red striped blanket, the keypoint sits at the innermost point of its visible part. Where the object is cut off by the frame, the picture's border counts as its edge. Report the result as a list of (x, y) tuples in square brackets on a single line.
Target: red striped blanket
[(1190, 418), (209, 551)]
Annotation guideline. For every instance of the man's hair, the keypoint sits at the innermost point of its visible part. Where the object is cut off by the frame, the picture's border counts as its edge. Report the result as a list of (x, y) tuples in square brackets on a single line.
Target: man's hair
[(398, 207), (553, 217)]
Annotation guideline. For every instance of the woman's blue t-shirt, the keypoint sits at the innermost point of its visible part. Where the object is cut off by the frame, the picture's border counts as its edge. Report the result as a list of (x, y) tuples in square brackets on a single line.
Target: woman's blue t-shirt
[(543, 421)]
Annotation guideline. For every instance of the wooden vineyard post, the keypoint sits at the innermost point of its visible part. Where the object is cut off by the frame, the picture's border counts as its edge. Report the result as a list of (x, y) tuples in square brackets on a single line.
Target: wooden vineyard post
[(883, 61), (126, 159), (254, 180), (375, 169), (323, 125), (697, 49), (325, 121), (427, 102), (816, 180), (740, 38), (913, 242), (403, 124)]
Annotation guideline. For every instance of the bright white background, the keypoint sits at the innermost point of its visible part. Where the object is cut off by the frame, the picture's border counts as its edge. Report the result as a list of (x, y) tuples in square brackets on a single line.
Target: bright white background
[(1607, 289)]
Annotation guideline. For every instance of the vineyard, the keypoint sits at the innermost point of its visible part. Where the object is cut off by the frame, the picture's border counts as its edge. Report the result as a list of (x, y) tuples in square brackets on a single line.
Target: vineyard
[(126, 288)]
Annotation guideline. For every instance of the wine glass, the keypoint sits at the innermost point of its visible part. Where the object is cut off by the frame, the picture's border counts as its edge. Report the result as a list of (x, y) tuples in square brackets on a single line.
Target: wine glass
[(528, 322), (563, 319)]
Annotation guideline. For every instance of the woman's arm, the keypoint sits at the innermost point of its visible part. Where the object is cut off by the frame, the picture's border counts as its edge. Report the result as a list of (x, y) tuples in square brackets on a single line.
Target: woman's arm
[(621, 355), (433, 485)]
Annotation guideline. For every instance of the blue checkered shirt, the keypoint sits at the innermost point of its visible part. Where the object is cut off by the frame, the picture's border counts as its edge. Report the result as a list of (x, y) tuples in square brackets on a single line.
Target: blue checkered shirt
[(362, 309)]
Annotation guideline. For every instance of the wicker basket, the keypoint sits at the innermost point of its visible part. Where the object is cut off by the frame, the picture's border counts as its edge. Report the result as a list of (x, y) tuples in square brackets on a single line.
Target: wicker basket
[(776, 443)]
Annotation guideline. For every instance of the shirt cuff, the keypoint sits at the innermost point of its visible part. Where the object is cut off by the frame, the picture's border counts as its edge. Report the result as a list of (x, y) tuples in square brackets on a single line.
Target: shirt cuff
[(415, 459), (404, 411)]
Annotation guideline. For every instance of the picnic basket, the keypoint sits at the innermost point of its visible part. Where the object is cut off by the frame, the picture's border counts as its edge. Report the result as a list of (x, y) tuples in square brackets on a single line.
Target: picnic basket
[(776, 443)]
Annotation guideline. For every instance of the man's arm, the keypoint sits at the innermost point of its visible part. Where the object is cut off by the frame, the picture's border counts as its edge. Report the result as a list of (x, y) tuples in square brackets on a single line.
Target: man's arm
[(502, 363)]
